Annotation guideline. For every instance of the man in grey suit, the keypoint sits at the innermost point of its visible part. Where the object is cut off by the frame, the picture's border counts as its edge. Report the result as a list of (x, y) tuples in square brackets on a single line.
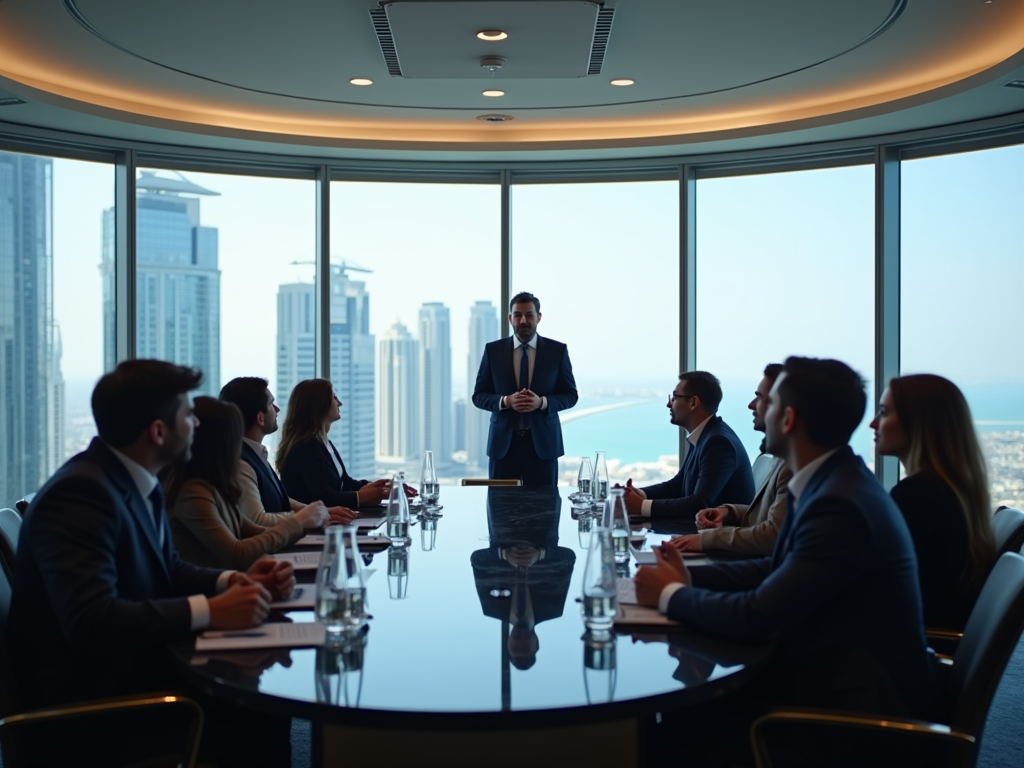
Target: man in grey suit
[(747, 529)]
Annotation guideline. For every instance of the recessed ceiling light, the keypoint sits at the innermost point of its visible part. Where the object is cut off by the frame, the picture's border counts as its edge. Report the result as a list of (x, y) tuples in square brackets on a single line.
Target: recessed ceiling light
[(623, 81), (494, 93), (495, 118), (361, 81), (492, 34)]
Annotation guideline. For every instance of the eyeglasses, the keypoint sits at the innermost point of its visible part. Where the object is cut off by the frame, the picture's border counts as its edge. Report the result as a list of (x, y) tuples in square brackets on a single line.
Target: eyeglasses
[(673, 397)]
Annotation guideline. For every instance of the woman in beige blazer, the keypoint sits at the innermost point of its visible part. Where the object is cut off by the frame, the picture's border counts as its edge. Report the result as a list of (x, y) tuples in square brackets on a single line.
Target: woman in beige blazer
[(204, 493)]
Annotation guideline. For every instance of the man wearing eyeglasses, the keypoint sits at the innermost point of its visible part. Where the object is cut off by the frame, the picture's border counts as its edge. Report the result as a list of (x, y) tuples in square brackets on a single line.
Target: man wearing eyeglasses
[(716, 469)]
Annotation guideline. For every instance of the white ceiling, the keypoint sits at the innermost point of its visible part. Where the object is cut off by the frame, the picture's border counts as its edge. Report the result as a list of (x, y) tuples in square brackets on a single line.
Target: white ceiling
[(710, 76)]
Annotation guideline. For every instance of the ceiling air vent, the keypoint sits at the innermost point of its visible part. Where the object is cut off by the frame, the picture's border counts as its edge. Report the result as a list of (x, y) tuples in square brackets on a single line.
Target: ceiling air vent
[(11, 102), (1014, 84), (381, 25), (602, 31)]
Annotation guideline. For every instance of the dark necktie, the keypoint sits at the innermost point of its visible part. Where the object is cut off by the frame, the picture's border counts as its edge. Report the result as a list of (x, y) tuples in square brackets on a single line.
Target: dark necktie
[(156, 498), (522, 419)]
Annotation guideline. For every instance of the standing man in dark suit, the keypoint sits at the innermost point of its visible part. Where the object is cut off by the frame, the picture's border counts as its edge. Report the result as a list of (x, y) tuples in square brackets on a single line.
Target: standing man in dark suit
[(254, 399), (524, 381), (841, 584), (99, 587), (716, 469)]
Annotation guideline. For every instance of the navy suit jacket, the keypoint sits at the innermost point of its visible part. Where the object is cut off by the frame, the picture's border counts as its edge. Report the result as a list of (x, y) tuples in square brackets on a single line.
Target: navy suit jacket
[(552, 378), (309, 475), (95, 594), (716, 471), (273, 495), (841, 586)]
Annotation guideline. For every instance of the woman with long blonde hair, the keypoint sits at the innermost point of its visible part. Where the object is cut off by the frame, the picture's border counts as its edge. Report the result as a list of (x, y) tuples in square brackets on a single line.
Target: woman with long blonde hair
[(311, 467), (925, 422)]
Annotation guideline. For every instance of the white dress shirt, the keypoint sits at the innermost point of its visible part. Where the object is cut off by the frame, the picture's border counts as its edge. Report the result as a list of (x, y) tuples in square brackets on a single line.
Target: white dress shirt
[(260, 449), (517, 358), (146, 481), (692, 438)]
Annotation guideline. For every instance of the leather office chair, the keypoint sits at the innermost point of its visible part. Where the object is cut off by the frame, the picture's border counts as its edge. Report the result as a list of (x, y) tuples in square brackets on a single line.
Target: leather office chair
[(478, 481), (761, 467), (990, 638), (1008, 528), (22, 504), (10, 528), (14, 720)]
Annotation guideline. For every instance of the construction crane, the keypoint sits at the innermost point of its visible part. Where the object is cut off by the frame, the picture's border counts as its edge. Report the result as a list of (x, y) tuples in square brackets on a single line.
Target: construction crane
[(345, 266)]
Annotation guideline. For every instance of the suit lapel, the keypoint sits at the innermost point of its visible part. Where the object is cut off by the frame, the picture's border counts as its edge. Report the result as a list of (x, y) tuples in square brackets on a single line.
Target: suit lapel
[(133, 501), (510, 374)]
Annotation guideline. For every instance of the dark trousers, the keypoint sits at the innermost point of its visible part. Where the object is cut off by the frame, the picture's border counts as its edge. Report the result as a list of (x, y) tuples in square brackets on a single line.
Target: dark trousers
[(522, 463)]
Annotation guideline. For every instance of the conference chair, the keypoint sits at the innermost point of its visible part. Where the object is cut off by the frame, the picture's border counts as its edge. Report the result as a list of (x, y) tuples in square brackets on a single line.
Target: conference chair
[(22, 504), (10, 527), (477, 481), (1008, 528), (16, 724), (969, 684), (761, 467)]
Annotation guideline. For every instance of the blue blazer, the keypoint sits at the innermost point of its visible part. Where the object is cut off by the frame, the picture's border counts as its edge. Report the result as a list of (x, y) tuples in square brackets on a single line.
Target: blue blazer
[(552, 378), (95, 593), (841, 588), (273, 495), (309, 475), (716, 471)]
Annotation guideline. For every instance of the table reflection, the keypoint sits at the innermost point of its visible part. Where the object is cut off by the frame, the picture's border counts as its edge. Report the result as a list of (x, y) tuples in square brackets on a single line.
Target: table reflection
[(522, 578), (339, 669), (243, 668)]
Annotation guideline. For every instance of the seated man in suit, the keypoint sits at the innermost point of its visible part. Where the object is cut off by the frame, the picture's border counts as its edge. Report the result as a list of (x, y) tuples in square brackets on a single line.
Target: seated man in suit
[(841, 584), (263, 493), (99, 587), (716, 468), (747, 529)]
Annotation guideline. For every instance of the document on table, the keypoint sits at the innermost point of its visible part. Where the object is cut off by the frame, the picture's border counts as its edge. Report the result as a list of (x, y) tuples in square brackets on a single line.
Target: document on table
[(626, 592), (276, 635), (304, 595), (301, 561), (636, 615), (317, 540), (646, 556)]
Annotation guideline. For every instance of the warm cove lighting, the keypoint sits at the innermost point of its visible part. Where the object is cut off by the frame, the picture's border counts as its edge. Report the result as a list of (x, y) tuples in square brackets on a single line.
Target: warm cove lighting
[(623, 81), (361, 81), (494, 93), (492, 34)]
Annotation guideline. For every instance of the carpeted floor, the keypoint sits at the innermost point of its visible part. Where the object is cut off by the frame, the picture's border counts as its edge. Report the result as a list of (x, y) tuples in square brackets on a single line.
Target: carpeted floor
[(1001, 747)]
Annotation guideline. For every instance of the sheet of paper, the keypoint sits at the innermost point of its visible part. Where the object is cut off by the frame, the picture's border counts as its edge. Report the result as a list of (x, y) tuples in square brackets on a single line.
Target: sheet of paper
[(634, 615), (276, 635), (626, 592), (646, 557), (317, 540), (301, 561)]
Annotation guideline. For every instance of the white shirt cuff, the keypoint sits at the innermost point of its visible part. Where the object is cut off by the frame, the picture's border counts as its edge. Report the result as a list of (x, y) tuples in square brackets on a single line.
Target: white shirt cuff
[(200, 608), (222, 581), (543, 403), (501, 404), (666, 595), (645, 508)]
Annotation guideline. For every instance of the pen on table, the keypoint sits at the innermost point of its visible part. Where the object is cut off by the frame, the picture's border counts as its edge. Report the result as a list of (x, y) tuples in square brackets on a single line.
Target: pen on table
[(235, 634)]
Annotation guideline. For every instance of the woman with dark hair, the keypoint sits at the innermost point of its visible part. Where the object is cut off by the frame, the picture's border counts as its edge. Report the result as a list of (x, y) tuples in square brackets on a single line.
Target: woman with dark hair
[(203, 495), (310, 466), (925, 422)]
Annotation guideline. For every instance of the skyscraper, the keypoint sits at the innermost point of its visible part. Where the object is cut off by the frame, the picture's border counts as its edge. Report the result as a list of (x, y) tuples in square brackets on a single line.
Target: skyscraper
[(31, 385), (398, 400), (483, 327), (177, 295), (352, 361), (436, 370)]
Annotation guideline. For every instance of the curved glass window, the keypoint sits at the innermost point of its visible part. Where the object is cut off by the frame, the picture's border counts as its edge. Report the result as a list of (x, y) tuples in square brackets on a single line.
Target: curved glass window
[(961, 272), (785, 266)]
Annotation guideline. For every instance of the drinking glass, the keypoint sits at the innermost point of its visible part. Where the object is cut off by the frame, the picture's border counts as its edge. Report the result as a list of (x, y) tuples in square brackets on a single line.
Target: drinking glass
[(599, 486), (340, 586), (398, 512), (430, 489), (600, 595), (599, 667), (398, 572), (616, 520)]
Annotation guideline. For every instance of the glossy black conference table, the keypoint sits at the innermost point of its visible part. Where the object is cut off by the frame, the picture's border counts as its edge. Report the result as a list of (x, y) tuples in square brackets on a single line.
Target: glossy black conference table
[(477, 635)]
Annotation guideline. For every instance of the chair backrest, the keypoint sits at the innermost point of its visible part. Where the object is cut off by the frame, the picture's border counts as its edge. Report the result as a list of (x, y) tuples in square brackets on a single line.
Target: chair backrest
[(761, 467), (10, 529), (488, 481), (990, 637), (1008, 527)]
